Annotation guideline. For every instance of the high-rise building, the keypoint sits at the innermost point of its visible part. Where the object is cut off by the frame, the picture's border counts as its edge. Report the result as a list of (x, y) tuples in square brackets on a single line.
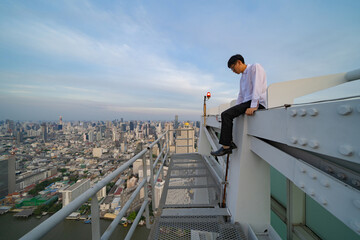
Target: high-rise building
[(176, 125), (123, 127), (75, 190), (185, 142), (115, 135), (7, 175), (84, 137), (158, 129), (44, 132), (98, 136), (169, 127), (18, 137), (102, 193), (11, 126), (147, 129), (91, 136), (123, 147), (102, 130)]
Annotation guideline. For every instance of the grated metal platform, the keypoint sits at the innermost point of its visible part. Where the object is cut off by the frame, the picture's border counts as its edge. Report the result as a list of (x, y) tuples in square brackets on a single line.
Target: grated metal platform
[(189, 206)]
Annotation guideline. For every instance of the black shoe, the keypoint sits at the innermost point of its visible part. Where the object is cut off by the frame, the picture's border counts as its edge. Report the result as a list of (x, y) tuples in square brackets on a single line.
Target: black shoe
[(222, 151), (232, 145)]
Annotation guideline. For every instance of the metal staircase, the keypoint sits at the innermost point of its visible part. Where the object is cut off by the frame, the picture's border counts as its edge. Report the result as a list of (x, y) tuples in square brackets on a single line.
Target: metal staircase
[(189, 206)]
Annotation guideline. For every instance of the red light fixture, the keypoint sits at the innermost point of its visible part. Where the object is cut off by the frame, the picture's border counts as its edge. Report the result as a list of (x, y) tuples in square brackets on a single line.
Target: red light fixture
[(208, 95)]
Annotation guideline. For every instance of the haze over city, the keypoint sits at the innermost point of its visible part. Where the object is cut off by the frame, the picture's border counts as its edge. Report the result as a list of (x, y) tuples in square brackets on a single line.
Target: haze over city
[(89, 60)]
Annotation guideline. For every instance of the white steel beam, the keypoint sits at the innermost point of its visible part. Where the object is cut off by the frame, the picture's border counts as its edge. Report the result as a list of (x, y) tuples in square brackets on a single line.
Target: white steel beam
[(248, 191), (328, 128), (338, 198)]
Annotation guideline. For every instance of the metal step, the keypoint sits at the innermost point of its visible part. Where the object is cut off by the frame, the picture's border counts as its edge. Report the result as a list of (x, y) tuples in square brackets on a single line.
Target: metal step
[(196, 212)]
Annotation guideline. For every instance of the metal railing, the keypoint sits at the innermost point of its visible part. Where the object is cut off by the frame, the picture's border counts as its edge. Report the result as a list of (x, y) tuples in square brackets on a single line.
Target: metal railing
[(55, 219)]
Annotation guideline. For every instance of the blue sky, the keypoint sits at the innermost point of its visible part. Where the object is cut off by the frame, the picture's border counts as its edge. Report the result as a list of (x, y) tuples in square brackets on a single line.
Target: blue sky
[(102, 60)]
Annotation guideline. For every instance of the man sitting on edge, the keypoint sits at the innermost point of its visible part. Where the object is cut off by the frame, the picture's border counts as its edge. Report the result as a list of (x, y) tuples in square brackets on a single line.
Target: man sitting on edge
[(252, 96)]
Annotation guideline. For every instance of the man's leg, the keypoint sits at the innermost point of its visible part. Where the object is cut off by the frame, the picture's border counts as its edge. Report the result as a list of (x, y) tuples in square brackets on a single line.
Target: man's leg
[(226, 127), (227, 121)]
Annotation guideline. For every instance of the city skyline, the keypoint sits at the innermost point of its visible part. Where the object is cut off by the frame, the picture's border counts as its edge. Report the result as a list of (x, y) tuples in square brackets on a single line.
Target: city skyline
[(87, 60)]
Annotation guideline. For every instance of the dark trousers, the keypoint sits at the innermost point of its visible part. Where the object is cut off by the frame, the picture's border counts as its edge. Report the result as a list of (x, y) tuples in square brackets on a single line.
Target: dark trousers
[(227, 121)]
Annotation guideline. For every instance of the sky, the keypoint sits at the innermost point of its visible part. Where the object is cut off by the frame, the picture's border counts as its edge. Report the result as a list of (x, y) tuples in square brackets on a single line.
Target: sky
[(152, 60)]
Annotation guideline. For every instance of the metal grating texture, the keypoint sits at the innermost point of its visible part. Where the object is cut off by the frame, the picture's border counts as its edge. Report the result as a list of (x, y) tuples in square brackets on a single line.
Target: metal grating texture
[(196, 228), (190, 185)]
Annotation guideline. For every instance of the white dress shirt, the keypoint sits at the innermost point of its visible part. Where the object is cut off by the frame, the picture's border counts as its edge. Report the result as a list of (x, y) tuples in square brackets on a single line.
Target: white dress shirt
[(253, 86)]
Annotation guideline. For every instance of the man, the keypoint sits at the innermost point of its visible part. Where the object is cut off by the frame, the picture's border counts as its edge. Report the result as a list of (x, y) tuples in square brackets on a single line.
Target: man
[(252, 96)]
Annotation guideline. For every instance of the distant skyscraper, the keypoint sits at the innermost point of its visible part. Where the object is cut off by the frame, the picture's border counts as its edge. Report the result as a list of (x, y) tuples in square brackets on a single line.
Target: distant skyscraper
[(98, 136), (91, 136), (131, 126), (115, 135), (43, 132), (158, 129), (18, 137), (60, 125), (11, 126), (123, 127), (147, 129), (123, 147), (102, 130), (7, 175), (176, 125)]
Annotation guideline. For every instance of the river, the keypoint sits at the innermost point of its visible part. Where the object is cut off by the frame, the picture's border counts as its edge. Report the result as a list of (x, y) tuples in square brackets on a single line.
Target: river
[(13, 228)]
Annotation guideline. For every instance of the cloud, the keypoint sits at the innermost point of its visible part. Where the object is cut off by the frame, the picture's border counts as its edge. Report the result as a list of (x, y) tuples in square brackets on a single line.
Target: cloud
[(59, 41), (162, 57)]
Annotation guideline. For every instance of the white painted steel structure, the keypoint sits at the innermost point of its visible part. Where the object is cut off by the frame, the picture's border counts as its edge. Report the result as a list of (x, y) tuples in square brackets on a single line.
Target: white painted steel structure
[(314, 144)]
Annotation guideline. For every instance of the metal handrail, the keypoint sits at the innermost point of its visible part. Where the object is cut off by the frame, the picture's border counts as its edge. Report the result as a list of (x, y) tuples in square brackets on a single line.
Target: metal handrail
[(157, 159), (118, 218), (137, 219), (158, 173), (55, 219)]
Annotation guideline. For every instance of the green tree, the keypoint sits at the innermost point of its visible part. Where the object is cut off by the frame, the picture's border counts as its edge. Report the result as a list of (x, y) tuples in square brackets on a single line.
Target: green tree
[(41, 186), (37, 211), (132, 216), (109, 186), (55, 207), (73, 178)]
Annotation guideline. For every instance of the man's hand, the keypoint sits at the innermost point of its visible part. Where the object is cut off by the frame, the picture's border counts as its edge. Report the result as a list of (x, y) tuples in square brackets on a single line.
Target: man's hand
[(250, 111)]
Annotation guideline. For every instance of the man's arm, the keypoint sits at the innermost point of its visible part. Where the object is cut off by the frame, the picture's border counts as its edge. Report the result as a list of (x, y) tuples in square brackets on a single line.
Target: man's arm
[(257, 79)]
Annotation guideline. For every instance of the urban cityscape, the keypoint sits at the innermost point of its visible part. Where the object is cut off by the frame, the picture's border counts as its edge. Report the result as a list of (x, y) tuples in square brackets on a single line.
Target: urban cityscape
[(46, 165)]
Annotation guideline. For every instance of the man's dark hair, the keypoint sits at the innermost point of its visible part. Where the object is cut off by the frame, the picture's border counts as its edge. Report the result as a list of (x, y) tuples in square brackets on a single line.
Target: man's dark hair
[(234, 58)]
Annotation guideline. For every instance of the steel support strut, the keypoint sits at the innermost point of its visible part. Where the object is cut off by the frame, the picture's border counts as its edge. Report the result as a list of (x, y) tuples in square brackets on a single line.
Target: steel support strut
[(226, 176)]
